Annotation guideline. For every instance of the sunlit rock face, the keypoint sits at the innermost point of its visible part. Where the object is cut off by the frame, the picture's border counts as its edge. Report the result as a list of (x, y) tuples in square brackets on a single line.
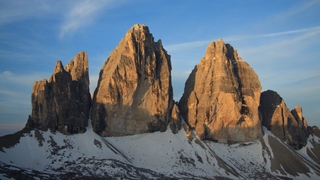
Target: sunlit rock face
[(221, 97), (288, 126), (134, 93), (64, 102)]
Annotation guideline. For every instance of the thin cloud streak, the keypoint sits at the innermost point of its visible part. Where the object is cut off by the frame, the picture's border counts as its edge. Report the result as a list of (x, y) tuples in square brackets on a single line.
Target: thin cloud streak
[(12, 11), (310, 31), (8, 93), (189, 45), (184, 46), (300, 8), (27, 80), (82, 15), (284, 43), (313, 29)]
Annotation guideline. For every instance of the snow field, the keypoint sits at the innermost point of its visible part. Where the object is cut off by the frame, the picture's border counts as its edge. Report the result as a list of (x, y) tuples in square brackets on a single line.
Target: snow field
[(171, 154)]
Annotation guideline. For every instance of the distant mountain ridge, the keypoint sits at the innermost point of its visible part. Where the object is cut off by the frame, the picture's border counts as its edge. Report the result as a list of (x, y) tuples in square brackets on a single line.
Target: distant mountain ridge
[(222, 109)]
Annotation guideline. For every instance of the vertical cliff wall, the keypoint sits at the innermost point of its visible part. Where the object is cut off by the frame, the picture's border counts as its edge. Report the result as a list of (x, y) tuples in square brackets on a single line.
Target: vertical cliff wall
[(134, 93), (221, 97), (64, 102)]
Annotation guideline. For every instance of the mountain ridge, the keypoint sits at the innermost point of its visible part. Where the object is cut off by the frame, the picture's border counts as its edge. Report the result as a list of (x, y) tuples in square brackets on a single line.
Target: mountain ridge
[(168, 156), (231, 130)]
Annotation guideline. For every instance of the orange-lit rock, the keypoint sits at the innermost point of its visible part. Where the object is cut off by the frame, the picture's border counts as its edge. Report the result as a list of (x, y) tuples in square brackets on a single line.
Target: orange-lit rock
[(221, 97), (134, 93), (280, 121), (64, 102)]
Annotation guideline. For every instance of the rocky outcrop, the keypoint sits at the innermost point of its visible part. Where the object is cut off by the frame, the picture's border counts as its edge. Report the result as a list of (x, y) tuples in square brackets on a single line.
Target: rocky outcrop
[(175, 121), (134, 93), (314, 130), (64, 102), (187, 130), (281, 122), (221, 97), (297, 114)]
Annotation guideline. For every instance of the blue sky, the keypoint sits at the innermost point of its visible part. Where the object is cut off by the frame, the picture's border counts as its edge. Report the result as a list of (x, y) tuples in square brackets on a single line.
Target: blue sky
[(279, 39)]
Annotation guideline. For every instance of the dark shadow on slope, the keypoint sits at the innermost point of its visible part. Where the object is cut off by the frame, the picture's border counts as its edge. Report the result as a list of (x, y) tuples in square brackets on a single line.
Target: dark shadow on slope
[(188, 89), (287, 160), (314, 153), (11, 140), (277, 118)]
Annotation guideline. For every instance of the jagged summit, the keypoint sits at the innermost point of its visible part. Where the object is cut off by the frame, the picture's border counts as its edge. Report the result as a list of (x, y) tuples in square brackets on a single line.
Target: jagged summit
[(218, 49), (288, 126), (134, 96), (58, 68), (221, 97), (134, 93), (64, 102)]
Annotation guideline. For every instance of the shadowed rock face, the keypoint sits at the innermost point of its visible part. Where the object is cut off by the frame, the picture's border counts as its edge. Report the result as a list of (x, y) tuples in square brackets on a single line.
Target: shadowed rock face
[(64, 102), (281, 122), (134, 93), (175, 122), (314, 130), (297, 113), (221, 97)]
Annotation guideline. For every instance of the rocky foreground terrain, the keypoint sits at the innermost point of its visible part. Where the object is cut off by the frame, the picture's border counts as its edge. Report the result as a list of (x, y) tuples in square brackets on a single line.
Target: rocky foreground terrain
[(223, 127)]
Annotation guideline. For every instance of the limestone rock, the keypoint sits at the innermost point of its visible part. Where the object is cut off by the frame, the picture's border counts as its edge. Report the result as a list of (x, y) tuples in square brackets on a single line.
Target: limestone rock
[(297, 113), (221, 97), (315, 131), (279, 120), (187, 130), (175, 122), (64, 102), (134, 93)]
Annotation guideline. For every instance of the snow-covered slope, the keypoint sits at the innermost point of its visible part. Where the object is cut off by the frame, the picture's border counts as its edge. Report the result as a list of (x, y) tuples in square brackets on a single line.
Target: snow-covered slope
[(155, 155)]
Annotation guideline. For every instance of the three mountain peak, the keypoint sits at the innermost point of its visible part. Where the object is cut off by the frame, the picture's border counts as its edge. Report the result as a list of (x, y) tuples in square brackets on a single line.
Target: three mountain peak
[(222, 99)]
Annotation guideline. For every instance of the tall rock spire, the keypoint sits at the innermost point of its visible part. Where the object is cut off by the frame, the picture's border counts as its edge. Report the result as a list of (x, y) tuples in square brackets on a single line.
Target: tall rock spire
[(64, 102), (221, 97), (134, 93)]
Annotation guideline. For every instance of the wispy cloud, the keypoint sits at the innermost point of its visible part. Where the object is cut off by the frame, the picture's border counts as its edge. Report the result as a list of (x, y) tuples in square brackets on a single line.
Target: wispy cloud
[(279, 45), (313, 29), (8, 77), (299, 8), (81, 15), (189, 45), (12, 11), (185, 46), (8, 93)]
